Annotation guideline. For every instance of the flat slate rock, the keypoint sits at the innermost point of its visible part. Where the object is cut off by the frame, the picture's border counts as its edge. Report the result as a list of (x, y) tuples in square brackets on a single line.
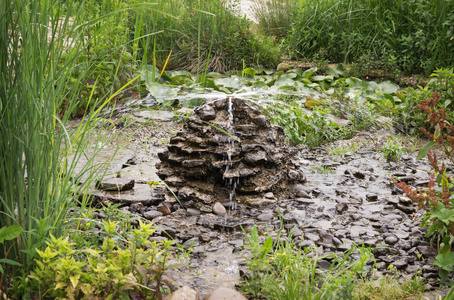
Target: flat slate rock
[(142, 193), (106, 162), (115, 184), (141, 173), (156, 115)]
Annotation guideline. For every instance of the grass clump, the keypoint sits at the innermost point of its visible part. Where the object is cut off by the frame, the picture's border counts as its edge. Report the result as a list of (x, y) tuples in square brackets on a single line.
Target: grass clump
[(409, 37), (274, 17), (343, 148), (392, 150), (203, 36)]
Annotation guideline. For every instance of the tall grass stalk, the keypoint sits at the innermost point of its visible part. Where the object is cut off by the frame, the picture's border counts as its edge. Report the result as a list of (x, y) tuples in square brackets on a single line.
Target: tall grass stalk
[(38, 183)]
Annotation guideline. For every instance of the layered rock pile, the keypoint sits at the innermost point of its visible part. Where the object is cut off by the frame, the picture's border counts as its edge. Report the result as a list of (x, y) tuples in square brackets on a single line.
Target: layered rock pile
[(228, 151)]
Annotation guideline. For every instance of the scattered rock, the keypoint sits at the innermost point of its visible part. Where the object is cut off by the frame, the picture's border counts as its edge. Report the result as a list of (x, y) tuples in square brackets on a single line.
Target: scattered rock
[(185, 293), (219, 209)]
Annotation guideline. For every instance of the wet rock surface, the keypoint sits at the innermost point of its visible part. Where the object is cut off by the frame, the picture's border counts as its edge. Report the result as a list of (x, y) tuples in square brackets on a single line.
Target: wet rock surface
[(355, 202)]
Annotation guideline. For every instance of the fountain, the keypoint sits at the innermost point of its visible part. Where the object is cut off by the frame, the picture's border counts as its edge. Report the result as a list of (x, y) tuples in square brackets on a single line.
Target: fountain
[(229, 152)]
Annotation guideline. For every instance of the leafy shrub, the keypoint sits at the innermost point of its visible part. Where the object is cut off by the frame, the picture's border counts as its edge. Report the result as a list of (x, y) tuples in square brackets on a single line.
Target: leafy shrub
[(410, 36), (303, 126), (408, 117), (438, 202), (108, 271)]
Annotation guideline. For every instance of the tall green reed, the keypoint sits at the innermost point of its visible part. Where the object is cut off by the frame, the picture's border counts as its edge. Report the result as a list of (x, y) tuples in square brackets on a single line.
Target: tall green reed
[(39, 46)]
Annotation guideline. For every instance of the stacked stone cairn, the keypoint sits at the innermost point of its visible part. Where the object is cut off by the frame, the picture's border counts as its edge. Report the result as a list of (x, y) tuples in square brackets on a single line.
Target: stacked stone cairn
[(228, 152)]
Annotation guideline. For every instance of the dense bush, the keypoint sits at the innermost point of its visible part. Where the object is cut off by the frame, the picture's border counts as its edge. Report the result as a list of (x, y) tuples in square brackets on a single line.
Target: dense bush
[(201, 35), (409, 36)]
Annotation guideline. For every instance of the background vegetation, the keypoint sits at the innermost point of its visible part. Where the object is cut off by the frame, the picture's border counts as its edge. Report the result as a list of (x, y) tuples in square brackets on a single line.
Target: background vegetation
[(404, 36)]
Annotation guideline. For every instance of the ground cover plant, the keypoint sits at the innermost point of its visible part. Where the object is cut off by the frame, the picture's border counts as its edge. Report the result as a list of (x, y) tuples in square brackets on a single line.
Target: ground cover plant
[(279, 270), (409, 37), (112, 267)]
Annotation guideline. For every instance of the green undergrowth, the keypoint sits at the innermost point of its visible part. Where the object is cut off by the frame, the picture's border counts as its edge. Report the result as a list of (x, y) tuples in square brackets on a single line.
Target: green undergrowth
[(279, 270)]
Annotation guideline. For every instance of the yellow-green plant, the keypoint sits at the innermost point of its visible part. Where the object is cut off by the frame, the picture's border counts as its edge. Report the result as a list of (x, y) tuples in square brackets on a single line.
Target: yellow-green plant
[(106, 271)]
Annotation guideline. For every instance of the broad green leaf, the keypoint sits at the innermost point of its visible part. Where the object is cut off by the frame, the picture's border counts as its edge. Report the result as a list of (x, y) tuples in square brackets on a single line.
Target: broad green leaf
[(9, 233), (424, 150), (163, 93), (284, 82), (442, 213), (214, 75), (445, 261), (266, 248), (308, 73), (250, 72), (352, 80), (229, 82), (337, 71), (74, 279), (322, 78), (388, 87)]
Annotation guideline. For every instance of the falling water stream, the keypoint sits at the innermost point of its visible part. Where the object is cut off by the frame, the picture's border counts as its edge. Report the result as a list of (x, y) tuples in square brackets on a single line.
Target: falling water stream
[(231, 182)]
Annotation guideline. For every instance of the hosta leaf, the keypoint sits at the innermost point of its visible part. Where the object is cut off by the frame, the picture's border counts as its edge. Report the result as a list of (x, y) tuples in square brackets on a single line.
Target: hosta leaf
[(388, 87)]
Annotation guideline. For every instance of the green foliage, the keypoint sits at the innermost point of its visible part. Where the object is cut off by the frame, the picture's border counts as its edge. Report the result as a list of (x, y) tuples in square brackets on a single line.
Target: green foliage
[(201, 35), (105, 62), (343, 148), (392, 150), (281, 271), (406, 36), (305, 127), (106, 271), (323, 170)]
